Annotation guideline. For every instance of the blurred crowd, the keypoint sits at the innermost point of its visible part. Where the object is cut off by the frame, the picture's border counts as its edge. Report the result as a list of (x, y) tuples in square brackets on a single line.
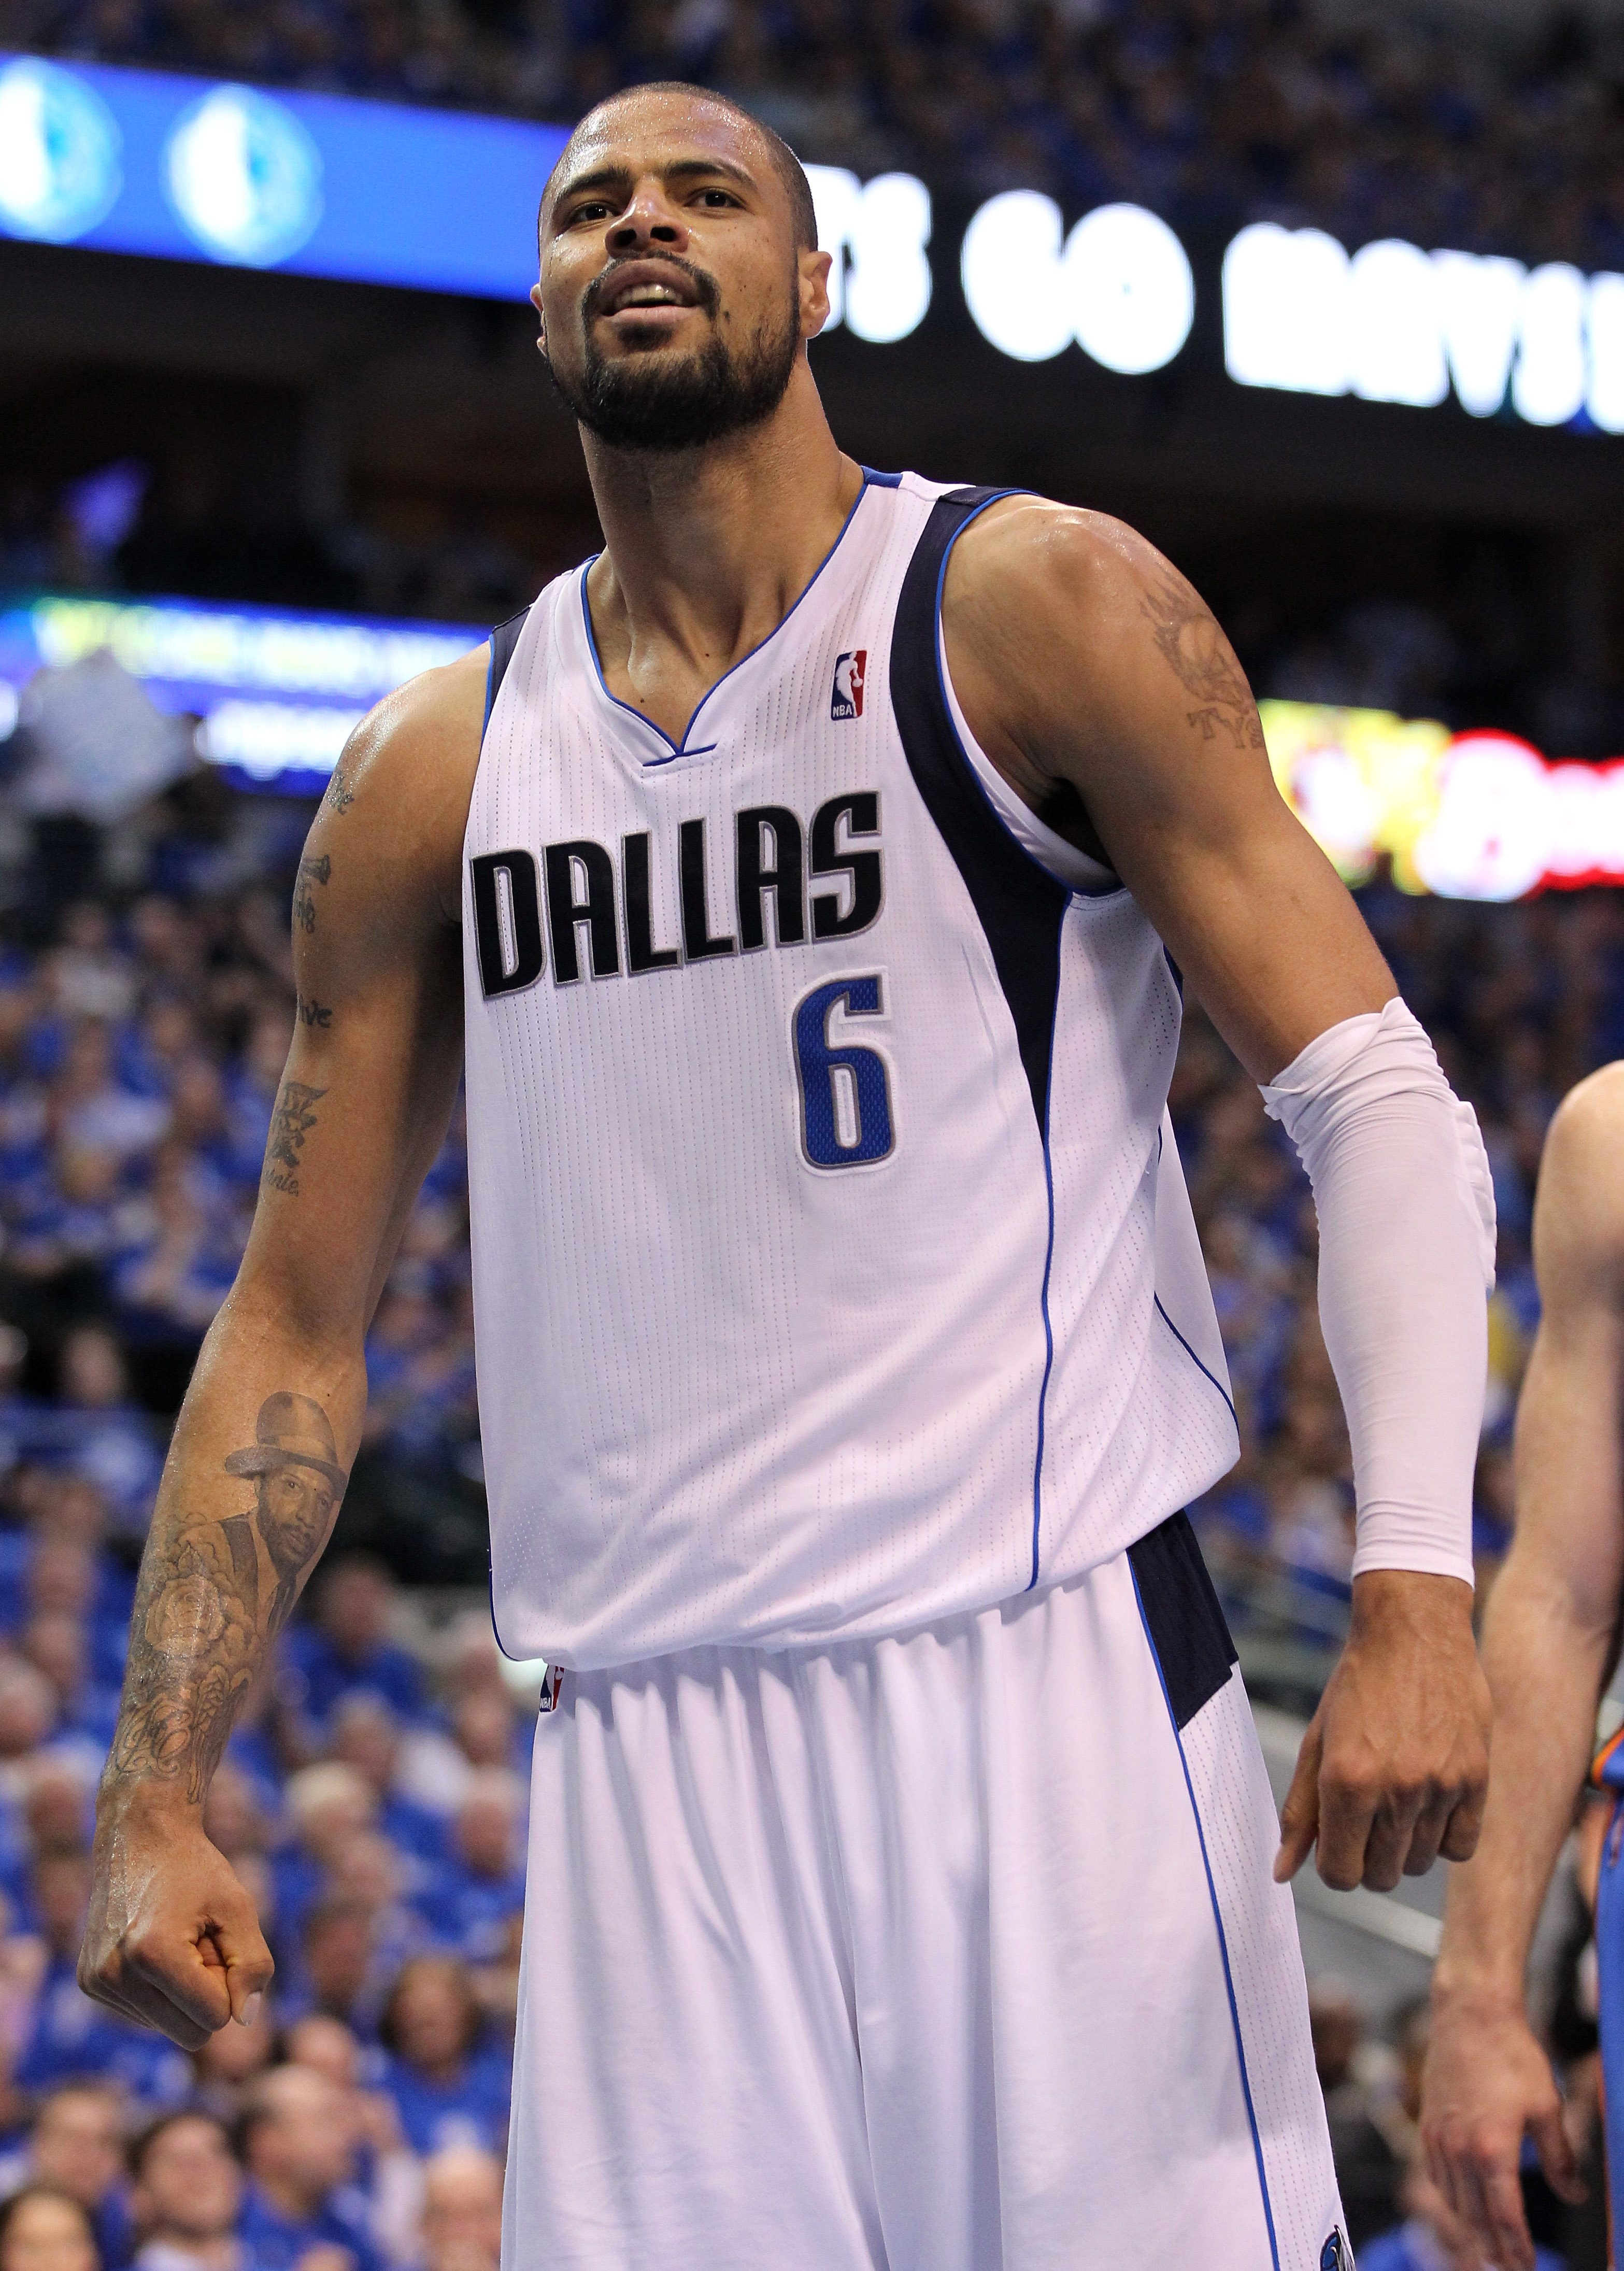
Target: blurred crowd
[(372, 1800), (1208, 110), (1521, 1002)]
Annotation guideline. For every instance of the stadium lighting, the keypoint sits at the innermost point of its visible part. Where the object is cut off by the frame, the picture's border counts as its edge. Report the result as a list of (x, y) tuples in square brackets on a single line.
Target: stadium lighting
[(1120, 283)]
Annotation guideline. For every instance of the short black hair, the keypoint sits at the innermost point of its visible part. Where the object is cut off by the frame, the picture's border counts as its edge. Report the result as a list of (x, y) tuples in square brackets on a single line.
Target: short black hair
[(142, 2144), (782, 160)]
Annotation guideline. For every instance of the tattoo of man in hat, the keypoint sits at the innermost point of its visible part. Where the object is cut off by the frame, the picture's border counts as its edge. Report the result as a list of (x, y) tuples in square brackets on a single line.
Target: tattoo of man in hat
[(294, 1461), (197, 1634)]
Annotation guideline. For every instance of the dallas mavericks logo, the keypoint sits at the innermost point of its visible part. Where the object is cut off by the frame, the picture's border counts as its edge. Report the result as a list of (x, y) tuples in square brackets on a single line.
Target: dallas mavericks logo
[(847, 701), (1334, 2255), (244, 177), (59, 153)]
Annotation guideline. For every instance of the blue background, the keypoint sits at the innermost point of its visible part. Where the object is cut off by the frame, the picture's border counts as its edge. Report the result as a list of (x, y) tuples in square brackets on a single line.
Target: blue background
[(438, 200)]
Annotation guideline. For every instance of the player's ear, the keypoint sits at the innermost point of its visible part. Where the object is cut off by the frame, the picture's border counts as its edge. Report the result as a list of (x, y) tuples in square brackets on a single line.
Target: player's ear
[(814, 267), (535, 301)]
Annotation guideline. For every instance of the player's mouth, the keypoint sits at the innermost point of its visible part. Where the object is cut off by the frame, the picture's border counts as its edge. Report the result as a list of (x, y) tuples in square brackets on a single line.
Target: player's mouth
[(647, 296)]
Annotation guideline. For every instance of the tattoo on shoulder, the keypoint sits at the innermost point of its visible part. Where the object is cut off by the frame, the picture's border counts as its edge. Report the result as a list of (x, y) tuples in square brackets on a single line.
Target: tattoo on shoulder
[(340, 793), (215, 1593), (312, 1012), (291, 1123), (1194, 648), (317, 870)]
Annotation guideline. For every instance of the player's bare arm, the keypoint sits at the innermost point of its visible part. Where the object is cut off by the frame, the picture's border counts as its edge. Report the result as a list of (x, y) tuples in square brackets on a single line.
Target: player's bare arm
[(1550, 1642), (1101, 686), (273, 1416)]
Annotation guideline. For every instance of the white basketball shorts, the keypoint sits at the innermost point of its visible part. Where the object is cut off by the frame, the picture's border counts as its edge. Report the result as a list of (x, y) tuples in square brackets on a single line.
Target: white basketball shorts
[(954, 1951)]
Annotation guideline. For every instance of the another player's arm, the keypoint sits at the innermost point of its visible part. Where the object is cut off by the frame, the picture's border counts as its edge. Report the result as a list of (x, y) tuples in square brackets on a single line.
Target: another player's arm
[(1086, 663), (371, 1076), (1550, 1641)]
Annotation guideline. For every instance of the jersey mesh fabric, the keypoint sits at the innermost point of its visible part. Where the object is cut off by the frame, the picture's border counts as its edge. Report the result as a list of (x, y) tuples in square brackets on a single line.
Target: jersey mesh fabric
[(730, 1392)]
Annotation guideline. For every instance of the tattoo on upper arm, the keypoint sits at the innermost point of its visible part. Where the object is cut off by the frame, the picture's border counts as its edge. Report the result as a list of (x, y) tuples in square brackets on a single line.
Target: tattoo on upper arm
[(312, 1012), (341, 795), (310, 871), (215, 1593), (1190, 642), (291, 1123)]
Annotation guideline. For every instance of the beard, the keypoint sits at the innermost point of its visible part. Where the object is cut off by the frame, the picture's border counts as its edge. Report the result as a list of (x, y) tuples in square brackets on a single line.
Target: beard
[(657, 402)]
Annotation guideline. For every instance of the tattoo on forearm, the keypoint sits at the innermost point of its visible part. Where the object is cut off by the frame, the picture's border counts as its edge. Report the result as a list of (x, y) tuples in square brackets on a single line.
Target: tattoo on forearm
[(312, 1012), (310, 871), (341, 795), (291, 1123), (215, 1593), (1194, 649)]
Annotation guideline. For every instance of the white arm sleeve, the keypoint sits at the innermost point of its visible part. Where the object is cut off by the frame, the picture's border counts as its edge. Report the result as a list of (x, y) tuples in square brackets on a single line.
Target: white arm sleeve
[(1407, 1209)]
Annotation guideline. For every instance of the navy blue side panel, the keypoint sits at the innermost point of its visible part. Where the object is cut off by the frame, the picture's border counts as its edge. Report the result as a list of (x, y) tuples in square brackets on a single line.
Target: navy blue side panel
[(503, 639), (1182, 1615), (1021, 907)]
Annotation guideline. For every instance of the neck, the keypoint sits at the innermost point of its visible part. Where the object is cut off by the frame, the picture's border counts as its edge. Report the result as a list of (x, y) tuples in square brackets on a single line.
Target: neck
[(706, 550)]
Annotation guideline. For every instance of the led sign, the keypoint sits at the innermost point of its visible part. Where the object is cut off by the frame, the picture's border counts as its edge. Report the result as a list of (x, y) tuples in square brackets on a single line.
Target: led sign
[(377, 192), (1120, 284), (380, 192), (278, 692), (1393, 324), (1478, 815)]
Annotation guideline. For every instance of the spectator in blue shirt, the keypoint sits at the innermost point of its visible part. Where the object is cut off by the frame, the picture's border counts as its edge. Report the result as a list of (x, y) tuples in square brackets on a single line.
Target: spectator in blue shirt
[(484, 1883), (76, 2147), (297, 2137), (186, 2195), (348, 1645), (448, 2088)]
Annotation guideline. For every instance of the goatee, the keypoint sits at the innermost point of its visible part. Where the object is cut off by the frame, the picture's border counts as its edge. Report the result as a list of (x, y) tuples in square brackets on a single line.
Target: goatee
[(650, 402)]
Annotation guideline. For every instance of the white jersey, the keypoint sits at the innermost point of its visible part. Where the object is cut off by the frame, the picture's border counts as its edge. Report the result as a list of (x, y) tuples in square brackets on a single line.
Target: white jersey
[(833, 1268)]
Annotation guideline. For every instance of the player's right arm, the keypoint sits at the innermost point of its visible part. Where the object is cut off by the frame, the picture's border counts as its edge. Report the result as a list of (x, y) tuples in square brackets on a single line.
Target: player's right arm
[(1549, 1644), (273, 1416)]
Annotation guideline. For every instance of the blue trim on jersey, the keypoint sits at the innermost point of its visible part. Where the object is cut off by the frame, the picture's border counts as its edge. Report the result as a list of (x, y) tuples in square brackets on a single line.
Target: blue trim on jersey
[(1195, 1360), (681, 749), (1049, 1329), (490, 690), (881, 481), (1217, 1918), (1078, 890)]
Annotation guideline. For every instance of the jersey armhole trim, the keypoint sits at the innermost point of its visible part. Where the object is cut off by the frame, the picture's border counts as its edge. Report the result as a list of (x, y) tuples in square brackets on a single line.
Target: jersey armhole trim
[(503, 642), (951, 706)]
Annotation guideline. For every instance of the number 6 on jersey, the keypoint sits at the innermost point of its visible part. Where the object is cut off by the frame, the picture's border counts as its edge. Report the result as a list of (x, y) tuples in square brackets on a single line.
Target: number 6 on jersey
[(845, 1105)]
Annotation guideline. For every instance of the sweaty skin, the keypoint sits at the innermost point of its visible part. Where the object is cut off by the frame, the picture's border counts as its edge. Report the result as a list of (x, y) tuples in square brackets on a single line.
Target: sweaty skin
[(1101, 687), (1550, 1642)]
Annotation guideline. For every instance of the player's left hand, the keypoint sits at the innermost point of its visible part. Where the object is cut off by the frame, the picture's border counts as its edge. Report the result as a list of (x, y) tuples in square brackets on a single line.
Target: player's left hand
[(1393, 1768)]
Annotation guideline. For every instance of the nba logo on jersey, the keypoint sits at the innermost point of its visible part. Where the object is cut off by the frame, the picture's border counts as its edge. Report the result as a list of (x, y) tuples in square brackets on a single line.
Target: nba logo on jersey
[(847, 701)]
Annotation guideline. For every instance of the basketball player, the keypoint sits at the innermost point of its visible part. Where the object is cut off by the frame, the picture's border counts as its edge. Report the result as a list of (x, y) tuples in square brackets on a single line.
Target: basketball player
[(900, 1861), (1550, 1644)]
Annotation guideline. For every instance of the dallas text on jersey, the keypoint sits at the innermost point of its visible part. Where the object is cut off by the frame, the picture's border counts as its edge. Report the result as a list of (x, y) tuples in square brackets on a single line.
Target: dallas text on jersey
[(772, 852)]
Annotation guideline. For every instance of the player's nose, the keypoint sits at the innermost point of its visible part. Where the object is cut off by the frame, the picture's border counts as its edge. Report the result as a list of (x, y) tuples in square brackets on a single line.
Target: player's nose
[(647, 219)]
